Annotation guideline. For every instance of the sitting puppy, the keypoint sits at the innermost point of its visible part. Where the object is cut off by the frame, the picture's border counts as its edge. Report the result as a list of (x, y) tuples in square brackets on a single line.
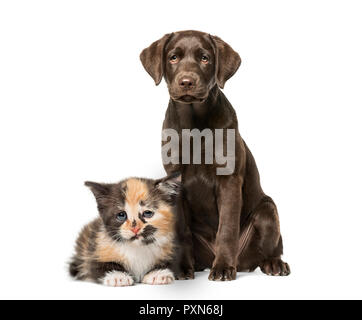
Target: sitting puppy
[(232, 225)]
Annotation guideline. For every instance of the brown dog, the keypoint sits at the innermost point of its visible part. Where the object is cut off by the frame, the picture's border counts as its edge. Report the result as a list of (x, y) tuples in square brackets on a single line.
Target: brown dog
[(231, 224)]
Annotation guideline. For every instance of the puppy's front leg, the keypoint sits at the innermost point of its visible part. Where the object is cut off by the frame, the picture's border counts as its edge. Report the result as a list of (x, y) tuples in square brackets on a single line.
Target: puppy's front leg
[(229, 202), (185, 270)]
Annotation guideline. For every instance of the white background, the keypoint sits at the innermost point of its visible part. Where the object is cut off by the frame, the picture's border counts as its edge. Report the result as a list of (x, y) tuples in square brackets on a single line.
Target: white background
[(77, 105)]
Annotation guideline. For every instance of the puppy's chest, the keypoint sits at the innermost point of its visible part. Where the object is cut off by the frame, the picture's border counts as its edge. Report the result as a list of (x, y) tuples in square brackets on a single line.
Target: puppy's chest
[(200, 182), (201, 199)]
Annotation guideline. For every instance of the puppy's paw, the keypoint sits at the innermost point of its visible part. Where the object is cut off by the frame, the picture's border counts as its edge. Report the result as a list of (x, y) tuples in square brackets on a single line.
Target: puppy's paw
[(222, 273), (117, 279), (186, 274), (163, 276), (275, 267)]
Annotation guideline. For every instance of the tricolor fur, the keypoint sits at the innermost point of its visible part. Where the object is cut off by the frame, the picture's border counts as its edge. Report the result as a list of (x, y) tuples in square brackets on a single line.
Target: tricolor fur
[(134, 237)]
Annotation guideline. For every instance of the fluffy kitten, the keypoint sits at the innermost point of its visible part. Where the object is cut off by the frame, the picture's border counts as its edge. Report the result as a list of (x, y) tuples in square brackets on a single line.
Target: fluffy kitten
[(133, 240)]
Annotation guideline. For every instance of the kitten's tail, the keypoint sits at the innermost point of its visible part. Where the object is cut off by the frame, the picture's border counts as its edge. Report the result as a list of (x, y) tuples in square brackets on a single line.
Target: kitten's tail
[(74, 267)]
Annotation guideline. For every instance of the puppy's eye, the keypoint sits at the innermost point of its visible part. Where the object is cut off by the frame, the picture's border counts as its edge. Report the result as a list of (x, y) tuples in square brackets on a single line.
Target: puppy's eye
[(205, 59), (148, 214), (174, 59), (121, 216)]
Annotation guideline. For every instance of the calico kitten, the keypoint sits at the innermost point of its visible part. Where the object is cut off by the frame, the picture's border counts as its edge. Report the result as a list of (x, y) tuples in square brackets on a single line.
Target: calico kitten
[(133, 240)]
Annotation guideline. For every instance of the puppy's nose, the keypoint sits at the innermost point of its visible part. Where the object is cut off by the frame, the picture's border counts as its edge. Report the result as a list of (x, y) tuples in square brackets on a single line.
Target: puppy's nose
[(187, 83), (136, 230)]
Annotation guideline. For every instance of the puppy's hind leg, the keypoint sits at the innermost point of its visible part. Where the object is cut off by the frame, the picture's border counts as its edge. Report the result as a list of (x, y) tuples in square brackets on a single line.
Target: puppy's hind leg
[(270, 242), (261, 242)]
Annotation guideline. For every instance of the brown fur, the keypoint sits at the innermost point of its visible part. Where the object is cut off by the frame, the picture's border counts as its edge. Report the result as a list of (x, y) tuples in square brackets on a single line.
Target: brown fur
[(232, 224)]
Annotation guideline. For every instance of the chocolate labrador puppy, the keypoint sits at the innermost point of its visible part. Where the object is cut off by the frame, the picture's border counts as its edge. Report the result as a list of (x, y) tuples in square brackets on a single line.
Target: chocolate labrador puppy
[(231, 224)]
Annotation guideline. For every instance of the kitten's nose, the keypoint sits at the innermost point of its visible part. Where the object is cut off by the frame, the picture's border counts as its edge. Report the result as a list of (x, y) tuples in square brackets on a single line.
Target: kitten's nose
[(135, 230)]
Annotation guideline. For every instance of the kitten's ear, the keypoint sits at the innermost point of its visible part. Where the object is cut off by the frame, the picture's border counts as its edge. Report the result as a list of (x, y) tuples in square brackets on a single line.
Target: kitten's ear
[(98, 189), (171, 185)]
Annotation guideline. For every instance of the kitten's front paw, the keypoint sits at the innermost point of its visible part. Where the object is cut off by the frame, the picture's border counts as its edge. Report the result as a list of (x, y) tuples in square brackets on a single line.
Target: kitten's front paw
[(164, 276), (118, 279)]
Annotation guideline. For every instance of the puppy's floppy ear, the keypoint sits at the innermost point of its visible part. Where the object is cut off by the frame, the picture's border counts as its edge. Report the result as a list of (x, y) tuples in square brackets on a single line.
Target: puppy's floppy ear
[(152, 58), (227, 61), (170, 185)]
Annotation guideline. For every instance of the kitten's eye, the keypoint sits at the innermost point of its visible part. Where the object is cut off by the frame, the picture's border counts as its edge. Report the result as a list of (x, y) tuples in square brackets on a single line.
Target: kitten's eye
[(148, 214), (122, 216), (174, 59), (205, 59)]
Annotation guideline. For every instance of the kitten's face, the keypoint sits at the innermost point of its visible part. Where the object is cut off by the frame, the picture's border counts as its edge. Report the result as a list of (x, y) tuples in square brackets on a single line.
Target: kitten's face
[(137, 210)]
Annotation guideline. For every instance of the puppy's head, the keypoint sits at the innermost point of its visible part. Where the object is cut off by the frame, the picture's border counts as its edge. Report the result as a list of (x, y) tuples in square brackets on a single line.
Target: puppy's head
[(191, 62)]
